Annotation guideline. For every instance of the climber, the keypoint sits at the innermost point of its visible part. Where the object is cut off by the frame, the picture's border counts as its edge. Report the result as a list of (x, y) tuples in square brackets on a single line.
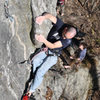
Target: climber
[(59, 37), (60, 7), (78, 56)]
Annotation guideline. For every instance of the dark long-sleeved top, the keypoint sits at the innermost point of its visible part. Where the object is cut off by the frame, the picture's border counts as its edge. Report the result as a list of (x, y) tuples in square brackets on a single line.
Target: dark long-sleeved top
[(55, 34), (82, 54)]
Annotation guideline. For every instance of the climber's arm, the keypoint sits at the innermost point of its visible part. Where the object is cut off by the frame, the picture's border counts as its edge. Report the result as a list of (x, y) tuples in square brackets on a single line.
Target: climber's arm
[(45, 16), (50, 45)]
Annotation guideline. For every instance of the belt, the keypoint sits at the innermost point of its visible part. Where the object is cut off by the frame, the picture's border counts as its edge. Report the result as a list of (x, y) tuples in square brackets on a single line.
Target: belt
[(48, 54)]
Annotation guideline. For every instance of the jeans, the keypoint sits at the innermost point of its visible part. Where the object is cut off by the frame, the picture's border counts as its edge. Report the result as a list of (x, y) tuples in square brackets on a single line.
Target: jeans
[(45, 66)]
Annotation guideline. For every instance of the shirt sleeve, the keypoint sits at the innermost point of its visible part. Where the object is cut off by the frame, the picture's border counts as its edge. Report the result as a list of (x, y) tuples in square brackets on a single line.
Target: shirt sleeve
[(82, 54), (59, 24), (65, 42)]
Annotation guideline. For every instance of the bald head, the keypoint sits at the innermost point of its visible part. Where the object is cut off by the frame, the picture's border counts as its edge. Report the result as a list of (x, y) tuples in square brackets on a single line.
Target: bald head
[(71, 32)]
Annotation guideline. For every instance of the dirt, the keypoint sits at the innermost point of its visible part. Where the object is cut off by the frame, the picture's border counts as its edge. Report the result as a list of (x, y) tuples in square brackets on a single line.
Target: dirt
[(84, 14)]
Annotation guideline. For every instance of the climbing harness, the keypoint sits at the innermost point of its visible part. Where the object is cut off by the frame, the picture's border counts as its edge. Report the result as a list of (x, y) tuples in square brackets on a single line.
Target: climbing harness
[(48, 55), (29, 61)]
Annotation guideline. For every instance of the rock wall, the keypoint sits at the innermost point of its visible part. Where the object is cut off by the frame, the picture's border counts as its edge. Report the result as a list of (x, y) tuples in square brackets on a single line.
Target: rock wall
[(15, 44), (38, 8), (17, 30)]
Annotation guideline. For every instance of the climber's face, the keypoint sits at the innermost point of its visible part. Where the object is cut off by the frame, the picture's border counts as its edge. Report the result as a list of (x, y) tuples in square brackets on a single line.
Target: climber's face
[(81, 47), (69, 33)]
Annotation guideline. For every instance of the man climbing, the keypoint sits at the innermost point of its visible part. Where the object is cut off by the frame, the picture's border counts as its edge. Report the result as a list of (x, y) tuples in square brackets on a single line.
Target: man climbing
[(60, 37), (78, 56)]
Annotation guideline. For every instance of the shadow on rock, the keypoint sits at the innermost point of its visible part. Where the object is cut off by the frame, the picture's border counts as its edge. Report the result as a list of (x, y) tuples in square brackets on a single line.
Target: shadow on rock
[(31, 78), (94, 75)]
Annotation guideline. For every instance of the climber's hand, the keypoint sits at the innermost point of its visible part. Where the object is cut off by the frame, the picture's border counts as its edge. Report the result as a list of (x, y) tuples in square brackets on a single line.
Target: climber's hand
[(40, 38), (71, 57), (78, 59), (67, 66), (40, 19), (45, 49), (29, 93)]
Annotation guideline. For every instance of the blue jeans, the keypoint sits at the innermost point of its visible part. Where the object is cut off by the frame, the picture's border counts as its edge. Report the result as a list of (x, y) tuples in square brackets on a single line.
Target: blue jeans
[(37, 61)]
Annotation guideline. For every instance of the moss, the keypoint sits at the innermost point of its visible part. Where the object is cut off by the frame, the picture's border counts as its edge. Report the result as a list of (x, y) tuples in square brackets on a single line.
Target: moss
[(0, 75), (98, 41), (93, 32)]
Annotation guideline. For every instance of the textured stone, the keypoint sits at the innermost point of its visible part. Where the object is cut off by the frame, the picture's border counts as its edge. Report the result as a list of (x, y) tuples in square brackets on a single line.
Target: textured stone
[(16, 37), (15, 46), (38, 8)]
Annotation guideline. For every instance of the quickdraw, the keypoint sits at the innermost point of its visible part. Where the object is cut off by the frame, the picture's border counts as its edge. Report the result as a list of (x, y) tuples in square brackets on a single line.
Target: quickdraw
[(6, 8)]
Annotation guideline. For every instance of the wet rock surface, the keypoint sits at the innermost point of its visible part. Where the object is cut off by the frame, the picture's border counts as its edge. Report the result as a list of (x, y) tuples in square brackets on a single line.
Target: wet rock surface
[(17, 30)]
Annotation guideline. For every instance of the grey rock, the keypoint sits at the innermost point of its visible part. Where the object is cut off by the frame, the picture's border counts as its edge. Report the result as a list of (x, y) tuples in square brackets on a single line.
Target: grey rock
[(17, 30), (38, 8), (15, 46)]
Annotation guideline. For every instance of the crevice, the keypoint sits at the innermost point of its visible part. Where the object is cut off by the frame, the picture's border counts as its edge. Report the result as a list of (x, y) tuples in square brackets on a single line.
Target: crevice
[(32, 34), (94, 76)]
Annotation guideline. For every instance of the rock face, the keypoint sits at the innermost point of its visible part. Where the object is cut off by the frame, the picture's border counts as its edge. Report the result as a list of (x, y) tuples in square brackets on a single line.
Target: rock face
[(38, 8), (17, 30), (15, 44)]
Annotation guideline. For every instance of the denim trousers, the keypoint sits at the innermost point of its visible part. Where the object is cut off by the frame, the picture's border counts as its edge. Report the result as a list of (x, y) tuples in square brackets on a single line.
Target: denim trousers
[(45, 66)]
